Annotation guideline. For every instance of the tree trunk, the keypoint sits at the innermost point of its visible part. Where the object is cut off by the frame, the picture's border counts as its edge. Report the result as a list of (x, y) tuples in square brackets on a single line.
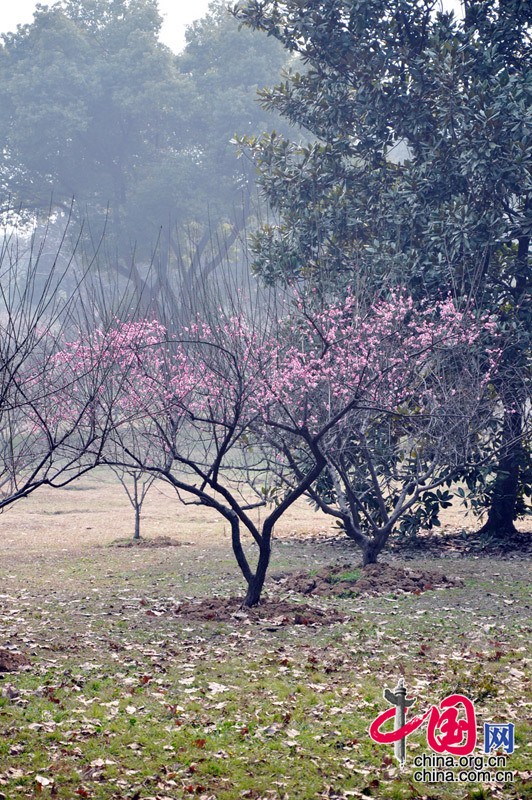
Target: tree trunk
[(369, 556), (137, 505), (373, 546), (504, 498), (136, 535), (238, 550), (256, 581), (503, 509), (254, 592), (502, 512)]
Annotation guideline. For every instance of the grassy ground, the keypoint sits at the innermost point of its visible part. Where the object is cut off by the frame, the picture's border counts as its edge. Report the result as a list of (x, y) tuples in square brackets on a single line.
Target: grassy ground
[(125, 699)]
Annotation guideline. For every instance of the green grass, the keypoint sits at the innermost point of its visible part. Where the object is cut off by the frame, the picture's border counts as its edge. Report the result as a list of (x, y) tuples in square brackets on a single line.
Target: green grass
[(120, 704), (349, 575)]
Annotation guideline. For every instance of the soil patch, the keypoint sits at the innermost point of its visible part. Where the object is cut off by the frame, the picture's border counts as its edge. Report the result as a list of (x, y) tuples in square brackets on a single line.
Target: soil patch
[(342, 580), (11, 661), (273, 613), (155, 541)]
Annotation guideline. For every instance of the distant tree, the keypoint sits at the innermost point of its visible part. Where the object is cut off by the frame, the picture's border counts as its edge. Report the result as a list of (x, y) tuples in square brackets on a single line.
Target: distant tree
[(95, 108), (419, 172), (90, 100), (135, 482), (227, 66), (136, 485)]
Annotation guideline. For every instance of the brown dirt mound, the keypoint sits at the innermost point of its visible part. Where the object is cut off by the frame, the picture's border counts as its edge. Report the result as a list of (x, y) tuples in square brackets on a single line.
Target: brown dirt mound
[(274, 613), (10, 661), (154, 541), (342, 580)]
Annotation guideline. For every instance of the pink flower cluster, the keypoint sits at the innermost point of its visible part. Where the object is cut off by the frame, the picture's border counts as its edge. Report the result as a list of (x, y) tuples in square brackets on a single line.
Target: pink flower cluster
[(310, 367), (377, 359), (129, 368)]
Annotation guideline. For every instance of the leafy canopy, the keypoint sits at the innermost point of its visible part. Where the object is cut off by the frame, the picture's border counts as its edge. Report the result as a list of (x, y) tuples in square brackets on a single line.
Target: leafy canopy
[(420, 167)]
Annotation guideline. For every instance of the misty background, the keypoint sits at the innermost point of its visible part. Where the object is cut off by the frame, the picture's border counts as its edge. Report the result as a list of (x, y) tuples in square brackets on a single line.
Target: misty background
[(128, 148)]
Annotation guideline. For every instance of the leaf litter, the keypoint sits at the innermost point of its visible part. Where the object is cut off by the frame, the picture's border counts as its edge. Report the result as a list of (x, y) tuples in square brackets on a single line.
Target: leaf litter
[(119, 703)]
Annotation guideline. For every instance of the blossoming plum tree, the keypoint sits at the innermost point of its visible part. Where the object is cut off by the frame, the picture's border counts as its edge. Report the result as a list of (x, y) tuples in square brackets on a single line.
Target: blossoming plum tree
[(407, 391), (182, 411), (383, 405)]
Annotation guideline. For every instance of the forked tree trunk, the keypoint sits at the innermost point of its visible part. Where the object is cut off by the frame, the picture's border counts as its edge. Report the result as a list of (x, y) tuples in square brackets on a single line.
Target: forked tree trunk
[(371, 546), (372, 549), (254, 592), (369, 556), (256, 581), (263, 538)]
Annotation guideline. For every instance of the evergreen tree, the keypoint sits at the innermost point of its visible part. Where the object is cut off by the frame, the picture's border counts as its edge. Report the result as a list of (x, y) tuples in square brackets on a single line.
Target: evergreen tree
[(420, 171)]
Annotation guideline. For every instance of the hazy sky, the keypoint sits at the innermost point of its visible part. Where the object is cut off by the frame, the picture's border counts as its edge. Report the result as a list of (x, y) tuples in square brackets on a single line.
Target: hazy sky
[(177, 14)]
